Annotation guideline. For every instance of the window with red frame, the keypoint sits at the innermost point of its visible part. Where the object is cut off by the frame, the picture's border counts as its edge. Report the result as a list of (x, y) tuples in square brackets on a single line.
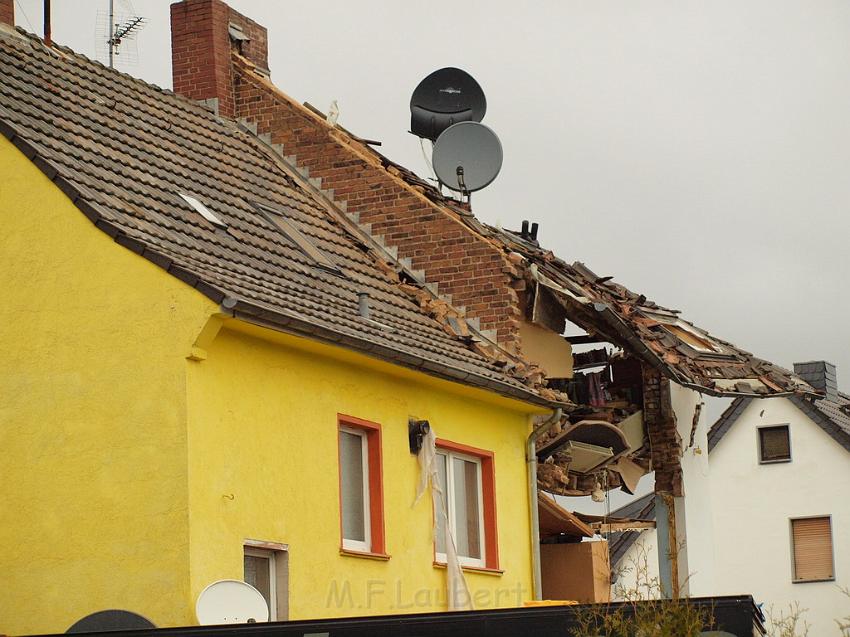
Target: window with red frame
[(467, 482), (360, 486)]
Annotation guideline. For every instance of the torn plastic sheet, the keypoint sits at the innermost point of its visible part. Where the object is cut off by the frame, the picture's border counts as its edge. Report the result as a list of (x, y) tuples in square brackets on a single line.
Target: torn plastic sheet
[(456, 587)]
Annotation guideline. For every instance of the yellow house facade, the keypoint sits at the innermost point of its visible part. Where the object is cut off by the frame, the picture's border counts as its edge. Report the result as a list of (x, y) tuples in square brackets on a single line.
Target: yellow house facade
[(189, 395)]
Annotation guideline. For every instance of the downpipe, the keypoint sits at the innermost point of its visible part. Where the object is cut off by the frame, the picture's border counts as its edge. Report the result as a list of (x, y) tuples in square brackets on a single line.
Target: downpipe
[(531, 464)]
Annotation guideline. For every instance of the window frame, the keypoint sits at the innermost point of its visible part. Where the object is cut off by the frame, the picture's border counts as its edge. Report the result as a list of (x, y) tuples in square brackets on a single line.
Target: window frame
[(277, 556), (373, 501), (488, 528), (760, 449), (297, 239), (794, 579)]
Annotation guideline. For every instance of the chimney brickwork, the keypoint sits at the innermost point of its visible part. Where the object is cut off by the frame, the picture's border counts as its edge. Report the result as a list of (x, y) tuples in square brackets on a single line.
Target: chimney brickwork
[(475, 272), (7, 12), (201, 50), (821, 375)]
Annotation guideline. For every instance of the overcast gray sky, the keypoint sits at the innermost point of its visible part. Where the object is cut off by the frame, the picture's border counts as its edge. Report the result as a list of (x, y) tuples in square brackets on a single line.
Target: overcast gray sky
[(697, 151)]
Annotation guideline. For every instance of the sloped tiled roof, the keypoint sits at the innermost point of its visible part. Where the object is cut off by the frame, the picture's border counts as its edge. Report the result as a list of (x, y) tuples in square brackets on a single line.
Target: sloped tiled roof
[(830, 414), (123, 150), (642, 508)]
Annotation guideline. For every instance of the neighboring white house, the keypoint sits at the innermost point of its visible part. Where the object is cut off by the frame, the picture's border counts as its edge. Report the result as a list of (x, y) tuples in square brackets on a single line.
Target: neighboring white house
[(634, 554), (780, 477)]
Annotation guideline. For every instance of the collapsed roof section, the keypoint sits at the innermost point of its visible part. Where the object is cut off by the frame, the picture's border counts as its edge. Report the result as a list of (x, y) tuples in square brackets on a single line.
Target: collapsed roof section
[(608, 311)]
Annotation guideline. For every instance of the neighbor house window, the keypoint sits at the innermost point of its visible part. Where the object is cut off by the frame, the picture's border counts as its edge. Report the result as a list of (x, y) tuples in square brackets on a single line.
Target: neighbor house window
[(466, 481), (360, 486), (774, 444), (811, 542), (266, 569)]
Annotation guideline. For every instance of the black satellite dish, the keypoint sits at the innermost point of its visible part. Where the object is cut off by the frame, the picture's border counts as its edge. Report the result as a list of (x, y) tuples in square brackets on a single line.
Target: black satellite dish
[(445, 97), (105, 620), (467, 157)]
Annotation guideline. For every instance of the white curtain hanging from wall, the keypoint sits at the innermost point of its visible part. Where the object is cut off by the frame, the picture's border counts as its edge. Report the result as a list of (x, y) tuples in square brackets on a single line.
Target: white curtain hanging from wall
[(456, 589)]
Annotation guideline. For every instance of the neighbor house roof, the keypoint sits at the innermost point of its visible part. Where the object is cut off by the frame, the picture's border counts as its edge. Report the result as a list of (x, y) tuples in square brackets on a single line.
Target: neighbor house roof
[(830, 414), (261, 244), (642, 508)]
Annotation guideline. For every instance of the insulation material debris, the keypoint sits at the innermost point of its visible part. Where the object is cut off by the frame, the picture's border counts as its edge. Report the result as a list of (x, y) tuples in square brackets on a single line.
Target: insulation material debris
[(456, 588)]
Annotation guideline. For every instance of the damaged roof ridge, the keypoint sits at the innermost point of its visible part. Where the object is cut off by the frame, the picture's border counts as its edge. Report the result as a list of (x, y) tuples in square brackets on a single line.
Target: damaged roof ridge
[(356, 145), (679, 359)]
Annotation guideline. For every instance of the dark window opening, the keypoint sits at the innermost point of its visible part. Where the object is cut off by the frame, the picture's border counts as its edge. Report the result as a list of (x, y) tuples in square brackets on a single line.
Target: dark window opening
[(774, 444)]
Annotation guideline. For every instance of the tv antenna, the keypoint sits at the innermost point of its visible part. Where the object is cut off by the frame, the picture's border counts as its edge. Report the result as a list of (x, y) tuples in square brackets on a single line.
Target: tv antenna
[(447, 108), (116, 33)]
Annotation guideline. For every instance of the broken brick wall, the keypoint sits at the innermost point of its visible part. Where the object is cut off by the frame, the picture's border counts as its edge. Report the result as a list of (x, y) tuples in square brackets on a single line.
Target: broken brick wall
[(201, 50), (660, 422), (475, 272)]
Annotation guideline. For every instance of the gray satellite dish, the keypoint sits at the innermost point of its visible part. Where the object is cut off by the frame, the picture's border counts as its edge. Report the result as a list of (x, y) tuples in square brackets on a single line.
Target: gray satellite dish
[(230, 601), (467, 157), (110, 620)]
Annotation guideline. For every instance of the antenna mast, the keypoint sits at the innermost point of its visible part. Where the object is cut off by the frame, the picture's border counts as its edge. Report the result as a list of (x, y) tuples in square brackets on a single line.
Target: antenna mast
[(119, 29), (111, 32)]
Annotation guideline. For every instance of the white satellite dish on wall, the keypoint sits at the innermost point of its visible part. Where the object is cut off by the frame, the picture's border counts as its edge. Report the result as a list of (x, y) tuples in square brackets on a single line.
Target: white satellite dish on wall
[(230, 601)]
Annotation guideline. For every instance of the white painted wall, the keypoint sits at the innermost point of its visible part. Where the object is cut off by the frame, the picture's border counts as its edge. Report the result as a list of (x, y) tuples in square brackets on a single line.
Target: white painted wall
[(637, 571), (753, 504), (697, 544)]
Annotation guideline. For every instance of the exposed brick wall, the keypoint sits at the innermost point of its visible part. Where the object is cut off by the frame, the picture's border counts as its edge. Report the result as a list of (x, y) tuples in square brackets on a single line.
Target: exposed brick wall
[(660, 422), (257, 48), (473, 271), (7, 12), (200, 50)]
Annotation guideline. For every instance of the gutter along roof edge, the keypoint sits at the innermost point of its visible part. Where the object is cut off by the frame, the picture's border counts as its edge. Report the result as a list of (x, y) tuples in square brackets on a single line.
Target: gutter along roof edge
[(254, 314)]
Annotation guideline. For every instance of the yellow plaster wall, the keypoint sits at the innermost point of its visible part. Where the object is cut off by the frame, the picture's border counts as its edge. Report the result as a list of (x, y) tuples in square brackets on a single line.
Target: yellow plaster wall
[(93, 340), (263, 466)]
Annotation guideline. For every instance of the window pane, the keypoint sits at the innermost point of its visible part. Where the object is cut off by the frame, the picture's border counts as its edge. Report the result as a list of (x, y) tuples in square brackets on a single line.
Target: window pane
[(775, 444), (352, 485), (257, 574), (440, 516), (467, 515)]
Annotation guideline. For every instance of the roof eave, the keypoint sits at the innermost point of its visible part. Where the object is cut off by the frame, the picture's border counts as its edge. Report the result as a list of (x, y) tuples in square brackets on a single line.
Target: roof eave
[(255, 314)]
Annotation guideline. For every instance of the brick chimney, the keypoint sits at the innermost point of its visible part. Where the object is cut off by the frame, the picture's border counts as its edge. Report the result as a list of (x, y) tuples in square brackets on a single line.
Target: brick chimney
[(7, 12), (820, 375), (203, 35)]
